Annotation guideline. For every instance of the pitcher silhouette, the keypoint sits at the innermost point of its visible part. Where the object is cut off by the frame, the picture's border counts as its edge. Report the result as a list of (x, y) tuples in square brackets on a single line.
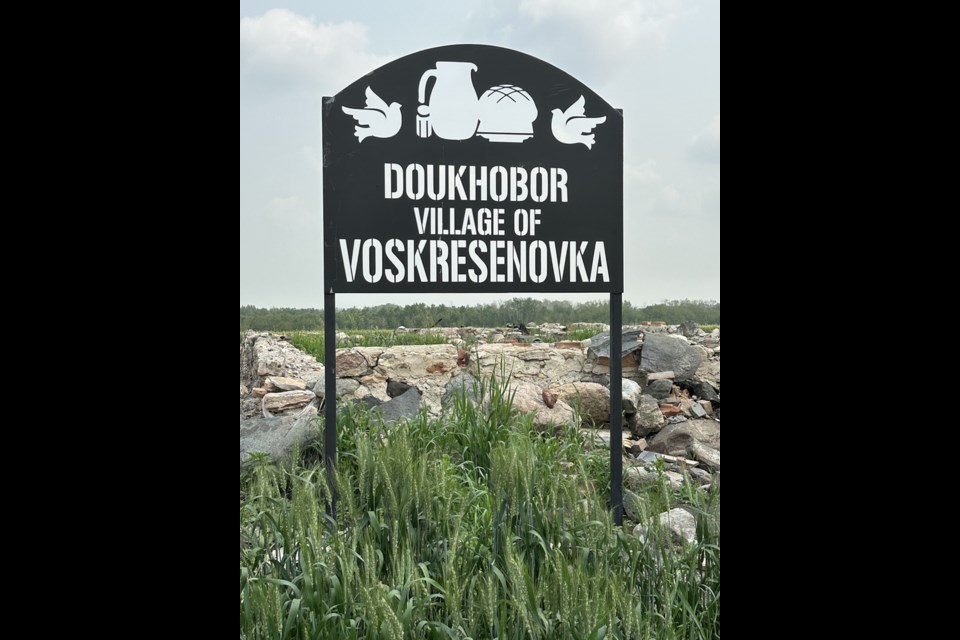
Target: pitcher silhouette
[(452, 113)]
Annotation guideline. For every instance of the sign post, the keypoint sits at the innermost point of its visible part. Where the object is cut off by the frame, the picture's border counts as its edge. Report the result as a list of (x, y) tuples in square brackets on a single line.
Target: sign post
[(469, 169)]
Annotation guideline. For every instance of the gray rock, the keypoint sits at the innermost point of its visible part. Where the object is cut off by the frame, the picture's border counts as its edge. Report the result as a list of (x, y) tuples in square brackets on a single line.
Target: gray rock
[(600, 439), (648, 418), (320, 387), (638, 478), (649, 457), (703, 351), (631, 396), (311, 378), (689, 329), (708, 456), (600, 344), (346, 386), (596, 438), (676, 419), (681, 524), (674, 439), (464, 384), (705, 391), (659, 389), (710, 371), (700, 476), (664, 353), (698, 411), (278, 436), (370, 402), (632, 505), (403, 407), (702, 389)]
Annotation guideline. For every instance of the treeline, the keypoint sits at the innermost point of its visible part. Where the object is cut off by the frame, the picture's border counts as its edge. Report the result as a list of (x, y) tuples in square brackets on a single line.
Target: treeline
[(517, 310)]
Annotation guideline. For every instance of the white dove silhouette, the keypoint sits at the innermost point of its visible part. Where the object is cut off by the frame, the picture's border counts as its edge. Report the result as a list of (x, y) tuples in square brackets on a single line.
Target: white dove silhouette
[(572, 126), (376, 119)]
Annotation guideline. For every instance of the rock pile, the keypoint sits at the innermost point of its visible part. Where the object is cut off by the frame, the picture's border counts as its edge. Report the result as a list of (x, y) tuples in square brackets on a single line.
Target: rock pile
[(670, 389)]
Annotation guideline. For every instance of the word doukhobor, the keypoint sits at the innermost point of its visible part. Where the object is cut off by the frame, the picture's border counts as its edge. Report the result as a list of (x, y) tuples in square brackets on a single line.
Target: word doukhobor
[(477, 261), (462, 182)]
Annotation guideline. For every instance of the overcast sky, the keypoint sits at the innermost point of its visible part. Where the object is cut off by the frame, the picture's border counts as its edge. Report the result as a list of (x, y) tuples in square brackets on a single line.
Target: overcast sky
[(658, 60)]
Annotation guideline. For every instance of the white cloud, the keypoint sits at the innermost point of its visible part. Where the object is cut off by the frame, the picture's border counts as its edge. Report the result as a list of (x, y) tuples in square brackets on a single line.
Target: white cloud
[(705, 147), (646, 189), (616, 26), (282, 50), (645, 173)]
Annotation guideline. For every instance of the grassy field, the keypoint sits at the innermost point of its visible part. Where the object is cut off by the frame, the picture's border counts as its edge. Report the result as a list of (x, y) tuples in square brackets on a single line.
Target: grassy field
[(576, 335), (312, 341), (470, 526)]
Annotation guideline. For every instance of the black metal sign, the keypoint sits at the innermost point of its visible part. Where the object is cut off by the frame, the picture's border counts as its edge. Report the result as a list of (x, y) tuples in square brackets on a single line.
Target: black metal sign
[(472, 168)]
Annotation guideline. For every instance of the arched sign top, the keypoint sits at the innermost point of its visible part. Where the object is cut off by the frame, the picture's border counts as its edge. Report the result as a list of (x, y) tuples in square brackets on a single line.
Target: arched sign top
[(510, 88), (472, 168)]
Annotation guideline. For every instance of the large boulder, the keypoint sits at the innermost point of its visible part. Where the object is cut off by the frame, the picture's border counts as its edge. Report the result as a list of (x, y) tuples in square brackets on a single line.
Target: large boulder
[(278, 436), (669, 353), (528, 398), (674, 439), (536, 363), (630, 341), (592, 400), (417, 362)]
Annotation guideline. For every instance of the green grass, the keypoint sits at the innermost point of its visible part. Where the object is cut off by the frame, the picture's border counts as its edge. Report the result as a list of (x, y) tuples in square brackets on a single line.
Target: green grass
[(470, 526), (707, 328), (580, 334), (312, 342)]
